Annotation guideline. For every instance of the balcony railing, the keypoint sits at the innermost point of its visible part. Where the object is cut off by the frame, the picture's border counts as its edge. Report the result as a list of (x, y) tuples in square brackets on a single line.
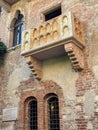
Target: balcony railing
[(53, 33)]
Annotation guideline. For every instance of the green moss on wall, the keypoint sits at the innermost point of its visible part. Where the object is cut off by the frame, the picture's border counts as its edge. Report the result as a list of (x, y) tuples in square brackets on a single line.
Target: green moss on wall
[(2, 51)]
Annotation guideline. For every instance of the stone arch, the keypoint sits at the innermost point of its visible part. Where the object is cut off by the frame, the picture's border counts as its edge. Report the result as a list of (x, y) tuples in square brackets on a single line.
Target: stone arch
[(49, 95), (14, 19), (28, 99)]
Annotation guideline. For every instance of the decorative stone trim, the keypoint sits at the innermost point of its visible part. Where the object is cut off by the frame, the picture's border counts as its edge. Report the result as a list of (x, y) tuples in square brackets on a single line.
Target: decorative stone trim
[(76, 56), (35, 66)]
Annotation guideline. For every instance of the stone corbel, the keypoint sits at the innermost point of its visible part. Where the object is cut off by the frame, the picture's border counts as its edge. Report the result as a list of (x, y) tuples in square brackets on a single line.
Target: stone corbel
[(76, 55), (35, 66)]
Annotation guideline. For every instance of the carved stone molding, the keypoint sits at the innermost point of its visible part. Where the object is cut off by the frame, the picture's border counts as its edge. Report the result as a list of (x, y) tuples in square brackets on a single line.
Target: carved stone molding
[(76, 56), (35, 66)]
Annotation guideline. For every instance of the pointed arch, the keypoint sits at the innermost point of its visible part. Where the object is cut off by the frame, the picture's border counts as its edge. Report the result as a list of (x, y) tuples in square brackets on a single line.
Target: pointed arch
[(14, 19), (16, 29)]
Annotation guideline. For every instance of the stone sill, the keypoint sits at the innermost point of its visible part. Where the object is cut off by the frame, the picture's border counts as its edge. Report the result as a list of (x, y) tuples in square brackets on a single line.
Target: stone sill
[(13, 48)]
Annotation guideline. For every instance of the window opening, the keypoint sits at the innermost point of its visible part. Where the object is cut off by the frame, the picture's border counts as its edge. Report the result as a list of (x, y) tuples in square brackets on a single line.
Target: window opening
[(18, 29), (53, 114), (33, 115), (53, 13)]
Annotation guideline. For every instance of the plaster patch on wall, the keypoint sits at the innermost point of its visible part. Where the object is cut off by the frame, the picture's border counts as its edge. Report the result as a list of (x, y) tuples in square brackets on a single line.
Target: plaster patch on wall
[(19, 74), (90, 126), (89, 102), (95, 70), (60, 71)]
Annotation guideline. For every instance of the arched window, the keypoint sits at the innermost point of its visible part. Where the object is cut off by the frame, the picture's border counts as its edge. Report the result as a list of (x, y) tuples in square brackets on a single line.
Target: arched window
[(42, 110), (53, 113), (18, 28), (31, 114)]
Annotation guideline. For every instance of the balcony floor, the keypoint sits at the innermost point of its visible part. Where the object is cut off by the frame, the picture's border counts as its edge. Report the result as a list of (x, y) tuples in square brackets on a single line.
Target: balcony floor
[(50, 53)]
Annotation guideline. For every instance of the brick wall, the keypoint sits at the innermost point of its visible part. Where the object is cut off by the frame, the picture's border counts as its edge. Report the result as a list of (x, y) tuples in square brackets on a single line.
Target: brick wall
[(40, 92), (77, 91)]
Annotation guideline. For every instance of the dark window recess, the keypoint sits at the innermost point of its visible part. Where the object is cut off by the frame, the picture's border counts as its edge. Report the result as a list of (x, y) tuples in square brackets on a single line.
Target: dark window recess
[(53, 13), (53, 114), (33, 115), (18, 28)]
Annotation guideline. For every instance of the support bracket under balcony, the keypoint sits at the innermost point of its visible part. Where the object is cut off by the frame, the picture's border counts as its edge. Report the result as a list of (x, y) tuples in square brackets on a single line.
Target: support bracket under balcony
[(35, 66), (76, 56)]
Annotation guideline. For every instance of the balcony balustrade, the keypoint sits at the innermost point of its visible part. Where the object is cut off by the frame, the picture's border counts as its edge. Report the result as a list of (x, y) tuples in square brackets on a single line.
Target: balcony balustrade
[(63, 34)]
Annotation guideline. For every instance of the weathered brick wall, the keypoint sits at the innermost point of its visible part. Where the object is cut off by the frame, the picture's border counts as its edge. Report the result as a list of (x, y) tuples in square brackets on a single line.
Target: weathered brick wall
[(79, 99)]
